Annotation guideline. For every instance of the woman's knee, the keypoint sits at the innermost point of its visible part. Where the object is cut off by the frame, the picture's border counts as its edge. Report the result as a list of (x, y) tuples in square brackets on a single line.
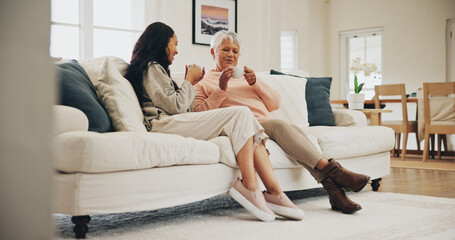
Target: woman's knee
[(241, 111), (275, 122), (276, 125)]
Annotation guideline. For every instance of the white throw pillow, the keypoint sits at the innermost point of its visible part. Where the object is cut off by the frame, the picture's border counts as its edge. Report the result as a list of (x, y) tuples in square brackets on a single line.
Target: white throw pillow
[(300, 73), (92, 67), (118, 96), (293, 106)]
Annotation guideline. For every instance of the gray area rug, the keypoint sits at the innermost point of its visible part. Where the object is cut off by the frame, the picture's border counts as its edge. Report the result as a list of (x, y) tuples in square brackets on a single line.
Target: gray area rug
[(384, 216)]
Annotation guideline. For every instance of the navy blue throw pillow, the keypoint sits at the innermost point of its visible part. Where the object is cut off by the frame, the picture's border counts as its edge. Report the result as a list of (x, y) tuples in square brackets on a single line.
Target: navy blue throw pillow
[(76, 90), (273, 72), (317, 96)]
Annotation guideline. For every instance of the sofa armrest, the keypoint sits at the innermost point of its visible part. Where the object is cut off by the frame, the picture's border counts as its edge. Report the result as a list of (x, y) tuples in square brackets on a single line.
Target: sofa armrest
[(68, 119), (348, 117)]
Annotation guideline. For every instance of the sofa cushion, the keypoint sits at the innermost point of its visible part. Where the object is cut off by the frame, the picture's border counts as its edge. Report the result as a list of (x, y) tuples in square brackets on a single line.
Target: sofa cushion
[(67, 119), (92, 67), (345, 142), (293, 106), (349, 117), (118, 96), (91, 152), (76, 90), (274, 72), (317, 97)]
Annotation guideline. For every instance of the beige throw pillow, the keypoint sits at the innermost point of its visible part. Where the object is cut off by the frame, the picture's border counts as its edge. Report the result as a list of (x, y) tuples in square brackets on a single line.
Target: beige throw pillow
[(118, 96), (92, 67)]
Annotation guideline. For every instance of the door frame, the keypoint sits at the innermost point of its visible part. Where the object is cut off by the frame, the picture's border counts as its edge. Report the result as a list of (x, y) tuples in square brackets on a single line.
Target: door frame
[(450, 50)]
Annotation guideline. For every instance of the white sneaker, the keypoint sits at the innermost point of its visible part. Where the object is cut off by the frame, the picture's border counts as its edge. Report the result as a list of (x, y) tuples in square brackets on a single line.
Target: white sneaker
[(283, 206), (254, 202)]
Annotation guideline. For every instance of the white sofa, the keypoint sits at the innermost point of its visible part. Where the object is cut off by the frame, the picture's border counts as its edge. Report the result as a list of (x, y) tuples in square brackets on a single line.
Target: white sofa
[(134, 170)]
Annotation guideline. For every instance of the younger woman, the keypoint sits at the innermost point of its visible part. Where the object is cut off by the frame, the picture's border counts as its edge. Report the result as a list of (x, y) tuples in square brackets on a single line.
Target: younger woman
[(168, 109)]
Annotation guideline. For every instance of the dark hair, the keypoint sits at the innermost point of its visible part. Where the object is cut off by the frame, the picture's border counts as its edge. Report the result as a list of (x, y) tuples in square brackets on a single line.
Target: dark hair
[(151, 46)]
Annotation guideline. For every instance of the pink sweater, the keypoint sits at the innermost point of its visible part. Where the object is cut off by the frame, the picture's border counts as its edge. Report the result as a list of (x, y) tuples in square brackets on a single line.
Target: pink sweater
[(260, 97)]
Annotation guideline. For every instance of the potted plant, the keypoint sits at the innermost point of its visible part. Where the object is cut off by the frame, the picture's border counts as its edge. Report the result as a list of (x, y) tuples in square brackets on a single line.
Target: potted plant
[(356, 100)]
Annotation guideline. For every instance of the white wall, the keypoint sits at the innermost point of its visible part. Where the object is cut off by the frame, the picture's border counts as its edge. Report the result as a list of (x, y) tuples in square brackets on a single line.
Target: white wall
[(27, 91), (258, 26), (414, 49), (309, 19), (413, 37)]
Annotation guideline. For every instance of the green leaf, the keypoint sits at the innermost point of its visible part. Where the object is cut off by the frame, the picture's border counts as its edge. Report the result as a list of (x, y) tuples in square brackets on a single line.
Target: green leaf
[(361, 86), (356, 84)]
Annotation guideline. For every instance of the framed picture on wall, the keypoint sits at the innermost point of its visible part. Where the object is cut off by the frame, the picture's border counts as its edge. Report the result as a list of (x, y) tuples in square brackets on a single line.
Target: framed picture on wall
[(211, 16)]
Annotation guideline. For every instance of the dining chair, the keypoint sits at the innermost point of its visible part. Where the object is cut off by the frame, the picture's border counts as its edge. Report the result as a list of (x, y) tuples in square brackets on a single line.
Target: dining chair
[(421, 126), (442, 139), (400, 127), (443, 122)]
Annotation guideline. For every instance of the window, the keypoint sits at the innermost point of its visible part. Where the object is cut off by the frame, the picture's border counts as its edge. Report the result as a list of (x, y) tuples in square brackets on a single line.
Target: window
[(367, 45), (65, 29), (84, 29), (288, 50)]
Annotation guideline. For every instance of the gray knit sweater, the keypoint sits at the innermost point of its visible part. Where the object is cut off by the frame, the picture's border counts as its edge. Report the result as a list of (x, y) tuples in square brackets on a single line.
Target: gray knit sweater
[(162, 97)]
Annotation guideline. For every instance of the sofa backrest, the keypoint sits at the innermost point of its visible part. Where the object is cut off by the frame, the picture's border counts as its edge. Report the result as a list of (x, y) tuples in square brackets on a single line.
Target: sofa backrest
[(293, 104), (106, 74)]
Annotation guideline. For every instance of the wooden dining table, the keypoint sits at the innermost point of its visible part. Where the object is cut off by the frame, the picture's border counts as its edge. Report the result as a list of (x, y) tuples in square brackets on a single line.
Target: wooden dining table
[(409, 100), (375, 114)]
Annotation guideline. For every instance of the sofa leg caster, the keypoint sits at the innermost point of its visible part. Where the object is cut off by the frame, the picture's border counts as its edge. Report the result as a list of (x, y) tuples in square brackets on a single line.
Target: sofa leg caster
[(81, 228), (375, 184)]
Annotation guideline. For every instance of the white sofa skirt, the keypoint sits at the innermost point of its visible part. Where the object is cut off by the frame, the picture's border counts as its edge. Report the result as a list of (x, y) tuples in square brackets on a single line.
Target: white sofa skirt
[(148, 189)]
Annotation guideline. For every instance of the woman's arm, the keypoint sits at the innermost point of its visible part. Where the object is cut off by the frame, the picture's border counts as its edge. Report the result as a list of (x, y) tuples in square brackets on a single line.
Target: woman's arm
[(269, 96), (160, 88), (202, 102)]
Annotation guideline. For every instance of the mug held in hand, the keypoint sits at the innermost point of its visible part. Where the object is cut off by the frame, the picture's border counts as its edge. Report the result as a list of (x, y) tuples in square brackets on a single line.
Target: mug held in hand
[(238, 72)]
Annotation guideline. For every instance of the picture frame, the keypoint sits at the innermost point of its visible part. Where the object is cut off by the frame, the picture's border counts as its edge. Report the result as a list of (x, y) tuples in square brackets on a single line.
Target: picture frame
[(211, 16)]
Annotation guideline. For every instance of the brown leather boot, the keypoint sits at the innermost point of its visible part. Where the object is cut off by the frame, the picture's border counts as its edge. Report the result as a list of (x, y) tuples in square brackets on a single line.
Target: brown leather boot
[(345, 178), (338, 198)]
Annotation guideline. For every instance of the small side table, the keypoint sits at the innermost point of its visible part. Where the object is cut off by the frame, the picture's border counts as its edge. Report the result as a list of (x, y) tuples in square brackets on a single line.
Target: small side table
[(374, 115)]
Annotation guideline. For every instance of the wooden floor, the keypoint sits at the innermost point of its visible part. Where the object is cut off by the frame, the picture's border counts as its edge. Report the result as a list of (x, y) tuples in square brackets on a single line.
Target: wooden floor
[(415, 161), (419, 181)]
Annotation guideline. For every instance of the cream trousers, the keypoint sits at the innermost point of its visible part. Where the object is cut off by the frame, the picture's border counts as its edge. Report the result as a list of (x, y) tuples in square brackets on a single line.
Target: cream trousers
[(238, 123), (295, 142)]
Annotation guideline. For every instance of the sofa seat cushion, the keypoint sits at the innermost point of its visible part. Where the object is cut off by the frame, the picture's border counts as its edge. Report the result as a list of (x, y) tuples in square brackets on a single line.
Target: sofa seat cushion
[(345, 142), (91, 152), (278, 157)]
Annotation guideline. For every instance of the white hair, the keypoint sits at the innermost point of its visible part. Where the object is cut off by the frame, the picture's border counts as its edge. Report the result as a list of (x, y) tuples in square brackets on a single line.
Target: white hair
[(220, 36)]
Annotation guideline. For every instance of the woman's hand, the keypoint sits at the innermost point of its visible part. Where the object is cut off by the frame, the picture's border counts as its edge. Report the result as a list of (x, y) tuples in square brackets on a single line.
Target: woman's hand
[(194, 74), (249, 75), (225, 76)]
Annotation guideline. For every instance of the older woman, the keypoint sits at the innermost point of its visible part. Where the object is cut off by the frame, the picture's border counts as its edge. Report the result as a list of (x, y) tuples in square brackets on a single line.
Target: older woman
[(218, 89), (168, 108)]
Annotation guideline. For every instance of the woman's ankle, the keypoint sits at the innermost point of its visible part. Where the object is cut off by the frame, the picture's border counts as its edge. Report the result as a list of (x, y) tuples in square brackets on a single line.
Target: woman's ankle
[(274, 191), (250, 186), (321, 164)]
